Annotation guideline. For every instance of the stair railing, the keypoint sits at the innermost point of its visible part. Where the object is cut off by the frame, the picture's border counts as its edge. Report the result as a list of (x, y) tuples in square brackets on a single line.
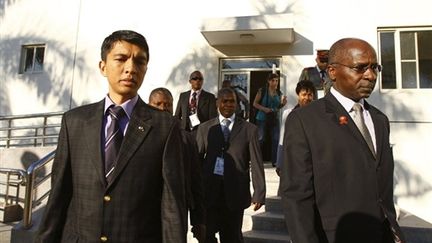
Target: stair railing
[(14, 179), (30, 130), (31, 200)]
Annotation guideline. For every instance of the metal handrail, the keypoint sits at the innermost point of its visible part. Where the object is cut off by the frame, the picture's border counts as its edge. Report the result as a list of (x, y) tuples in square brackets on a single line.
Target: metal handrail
[(21, 177), (31, 185), (36, 133)]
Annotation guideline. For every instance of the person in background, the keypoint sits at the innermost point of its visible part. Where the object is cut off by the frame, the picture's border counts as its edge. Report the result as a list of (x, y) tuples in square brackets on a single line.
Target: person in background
[(337, 182), (161, 98), (318, 74), (268, 101), (305, 91), (242, 101), (230, 152), (117, 176), (196, 105)]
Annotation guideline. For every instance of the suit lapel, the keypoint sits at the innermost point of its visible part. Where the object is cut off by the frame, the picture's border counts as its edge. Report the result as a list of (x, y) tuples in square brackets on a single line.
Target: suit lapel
[(236, 128), (379, 131), (186, 102), (92, 130), (336, 111), (138, 128), (203, 100)]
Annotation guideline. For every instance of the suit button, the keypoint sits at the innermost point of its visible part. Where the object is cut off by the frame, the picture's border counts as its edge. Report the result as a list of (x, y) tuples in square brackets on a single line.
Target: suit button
[(104, 238), (107, 198)]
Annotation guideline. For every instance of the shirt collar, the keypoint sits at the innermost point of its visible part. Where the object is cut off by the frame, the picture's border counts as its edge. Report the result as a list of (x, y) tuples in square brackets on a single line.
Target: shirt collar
[(231, 119), (127, 105), (198, 92), (347, 103)]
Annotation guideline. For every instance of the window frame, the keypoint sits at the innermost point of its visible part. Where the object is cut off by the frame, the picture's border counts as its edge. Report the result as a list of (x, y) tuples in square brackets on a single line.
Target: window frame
[(23, 58), (398, 56)]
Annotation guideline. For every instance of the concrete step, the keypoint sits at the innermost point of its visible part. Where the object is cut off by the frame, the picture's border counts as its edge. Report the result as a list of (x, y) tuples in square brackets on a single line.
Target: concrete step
[(269, 221), (265, 237), (273, 204), (415, 229)]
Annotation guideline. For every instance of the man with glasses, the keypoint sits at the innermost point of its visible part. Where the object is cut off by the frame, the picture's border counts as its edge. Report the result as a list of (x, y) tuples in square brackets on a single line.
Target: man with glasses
[(340, 189), (196, 105)]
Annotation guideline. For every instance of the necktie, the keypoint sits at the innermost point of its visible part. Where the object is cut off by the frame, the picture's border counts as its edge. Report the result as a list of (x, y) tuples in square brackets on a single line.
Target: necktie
[(193, 103), (323, 74), (113, 140), (225, 129), (359, 121)]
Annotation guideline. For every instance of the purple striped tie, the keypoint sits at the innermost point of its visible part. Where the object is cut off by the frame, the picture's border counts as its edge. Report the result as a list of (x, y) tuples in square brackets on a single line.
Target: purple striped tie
[(113, 140)]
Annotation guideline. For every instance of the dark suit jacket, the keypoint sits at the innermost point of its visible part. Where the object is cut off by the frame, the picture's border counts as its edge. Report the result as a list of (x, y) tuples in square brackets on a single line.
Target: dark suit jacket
[(206, 108), (193, 178), (144, 202), (329, 174), (242, 155), (312, 74)]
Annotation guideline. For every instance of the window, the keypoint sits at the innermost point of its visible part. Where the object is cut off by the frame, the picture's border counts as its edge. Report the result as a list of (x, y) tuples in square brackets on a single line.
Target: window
[(406, 56), (32, 58)]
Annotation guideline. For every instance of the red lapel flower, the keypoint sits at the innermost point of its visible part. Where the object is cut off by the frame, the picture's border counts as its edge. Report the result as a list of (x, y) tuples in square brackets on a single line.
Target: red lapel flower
[(343, 120)]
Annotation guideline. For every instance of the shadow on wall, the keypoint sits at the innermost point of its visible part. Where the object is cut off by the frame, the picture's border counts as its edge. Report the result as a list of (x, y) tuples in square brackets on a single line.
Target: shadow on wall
[(54, 81), (4, 4), (198, 60), (396, 111), (28, 158), (411, 183)]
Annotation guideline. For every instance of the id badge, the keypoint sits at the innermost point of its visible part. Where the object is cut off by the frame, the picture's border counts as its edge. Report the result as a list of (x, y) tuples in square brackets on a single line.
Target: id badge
[(194, 120), (219, 166)]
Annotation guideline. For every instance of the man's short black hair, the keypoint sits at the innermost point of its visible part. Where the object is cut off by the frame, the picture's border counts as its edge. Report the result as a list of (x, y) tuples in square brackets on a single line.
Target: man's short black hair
[(124, 35), (225, 91), (161, 90)]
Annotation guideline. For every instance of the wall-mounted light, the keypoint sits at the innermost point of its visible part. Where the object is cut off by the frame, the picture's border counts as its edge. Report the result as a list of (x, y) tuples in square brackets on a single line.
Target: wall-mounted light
[(247, 37)]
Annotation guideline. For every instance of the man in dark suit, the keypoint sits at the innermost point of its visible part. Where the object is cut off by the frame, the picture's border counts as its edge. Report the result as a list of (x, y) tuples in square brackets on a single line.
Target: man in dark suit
[(196, 105), (161, 98), (229, 148), (337, 182), (136, 195), (318, 74)]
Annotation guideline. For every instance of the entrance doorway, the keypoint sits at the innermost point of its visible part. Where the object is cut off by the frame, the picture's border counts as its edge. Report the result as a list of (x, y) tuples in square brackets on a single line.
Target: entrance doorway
[(247, 76)]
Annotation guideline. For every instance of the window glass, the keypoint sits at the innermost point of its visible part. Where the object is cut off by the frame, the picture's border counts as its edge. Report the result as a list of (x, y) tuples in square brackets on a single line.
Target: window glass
[(409, 75), (28, 60), (388, 60), (407, 45), (39, 59), (425, 58)]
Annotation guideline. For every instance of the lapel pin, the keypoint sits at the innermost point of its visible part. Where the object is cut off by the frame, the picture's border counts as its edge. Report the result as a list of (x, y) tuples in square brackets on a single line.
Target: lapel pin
[(141, 128), (343, 120)]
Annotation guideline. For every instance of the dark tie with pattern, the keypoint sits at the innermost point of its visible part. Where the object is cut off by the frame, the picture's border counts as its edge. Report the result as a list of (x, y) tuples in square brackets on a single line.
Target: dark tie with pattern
[(225, 129), (193, 103), (359, 121), (113, 140), (323, 74)]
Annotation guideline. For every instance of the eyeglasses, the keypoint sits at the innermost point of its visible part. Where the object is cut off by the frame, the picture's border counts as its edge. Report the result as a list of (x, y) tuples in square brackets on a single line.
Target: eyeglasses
[(362, 68), (197, 78)]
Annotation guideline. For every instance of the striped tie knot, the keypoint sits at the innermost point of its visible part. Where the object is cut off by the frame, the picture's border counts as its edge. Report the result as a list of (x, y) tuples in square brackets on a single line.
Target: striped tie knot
[(116, 112)]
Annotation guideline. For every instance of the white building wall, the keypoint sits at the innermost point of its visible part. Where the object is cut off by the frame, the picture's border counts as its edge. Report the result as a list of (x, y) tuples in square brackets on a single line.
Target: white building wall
[(74, 30)]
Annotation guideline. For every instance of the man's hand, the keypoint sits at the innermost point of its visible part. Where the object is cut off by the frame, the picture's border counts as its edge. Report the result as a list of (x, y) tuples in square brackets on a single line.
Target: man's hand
[(199, 232), (257, 205), (278, 170)]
